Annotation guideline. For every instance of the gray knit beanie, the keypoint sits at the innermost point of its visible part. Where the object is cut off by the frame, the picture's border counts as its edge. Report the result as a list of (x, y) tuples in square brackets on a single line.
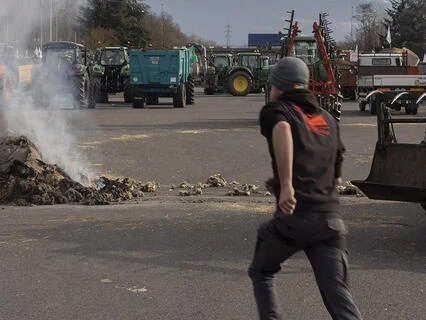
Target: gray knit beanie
[(290, 73)]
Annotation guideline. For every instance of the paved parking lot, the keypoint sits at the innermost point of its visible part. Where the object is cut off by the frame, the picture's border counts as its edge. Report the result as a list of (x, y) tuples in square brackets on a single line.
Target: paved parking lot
[(168, 257)]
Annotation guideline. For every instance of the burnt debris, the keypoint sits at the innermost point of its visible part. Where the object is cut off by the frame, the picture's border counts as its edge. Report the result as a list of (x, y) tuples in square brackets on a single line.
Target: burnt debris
[(25, 179)]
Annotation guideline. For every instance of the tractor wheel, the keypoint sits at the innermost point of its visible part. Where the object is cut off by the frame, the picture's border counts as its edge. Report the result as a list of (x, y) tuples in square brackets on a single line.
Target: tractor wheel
[(407, 109), (413, 108), (209, 91), (373, 107), (127, 90), (362, 105), (239, 83), (179, 98), (103, 96), (81, 91), (190, 91), (92, 94), (152, 100)]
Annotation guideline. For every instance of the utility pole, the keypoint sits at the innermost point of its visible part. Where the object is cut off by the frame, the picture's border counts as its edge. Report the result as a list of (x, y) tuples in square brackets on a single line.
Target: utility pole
[(228, 35), (41, 23), (51, 19)]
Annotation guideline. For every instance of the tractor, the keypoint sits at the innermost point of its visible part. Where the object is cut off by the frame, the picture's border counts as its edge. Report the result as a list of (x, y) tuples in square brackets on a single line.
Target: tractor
[(216, 74), (63, 70), (110, 75), (320, 54), (248, 74)]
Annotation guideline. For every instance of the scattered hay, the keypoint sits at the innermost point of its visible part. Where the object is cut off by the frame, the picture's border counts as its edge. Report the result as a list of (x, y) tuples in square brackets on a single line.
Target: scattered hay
[(349, 189), (216, 181)]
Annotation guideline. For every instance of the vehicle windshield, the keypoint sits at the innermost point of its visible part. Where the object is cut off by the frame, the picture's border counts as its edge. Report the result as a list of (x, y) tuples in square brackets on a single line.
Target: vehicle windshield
[(250, 61), (113, 57), (60, 55), (221, 62), (307, 51)]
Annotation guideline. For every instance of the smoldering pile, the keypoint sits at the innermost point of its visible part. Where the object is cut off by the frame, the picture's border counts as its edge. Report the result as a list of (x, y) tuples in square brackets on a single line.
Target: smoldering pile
[(26, 180)]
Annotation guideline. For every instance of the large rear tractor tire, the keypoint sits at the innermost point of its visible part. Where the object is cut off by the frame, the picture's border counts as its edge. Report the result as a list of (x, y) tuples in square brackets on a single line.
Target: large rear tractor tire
[(179, 98), (240, 83), (190, 91), (127, 90)]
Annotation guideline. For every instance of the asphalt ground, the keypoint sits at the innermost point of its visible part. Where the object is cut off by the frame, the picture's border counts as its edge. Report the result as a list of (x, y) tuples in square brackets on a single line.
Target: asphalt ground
[(170, 257)]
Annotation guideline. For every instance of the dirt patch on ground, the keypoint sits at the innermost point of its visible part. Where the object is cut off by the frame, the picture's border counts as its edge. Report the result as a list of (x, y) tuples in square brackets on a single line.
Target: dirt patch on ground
[(25, 179)]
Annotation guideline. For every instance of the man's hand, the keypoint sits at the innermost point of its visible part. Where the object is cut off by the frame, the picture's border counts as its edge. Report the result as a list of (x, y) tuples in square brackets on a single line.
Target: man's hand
[(287, 201), (269, 184)]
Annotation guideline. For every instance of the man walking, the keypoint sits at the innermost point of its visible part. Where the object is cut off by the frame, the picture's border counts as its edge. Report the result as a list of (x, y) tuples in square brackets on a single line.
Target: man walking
[(306, 151)]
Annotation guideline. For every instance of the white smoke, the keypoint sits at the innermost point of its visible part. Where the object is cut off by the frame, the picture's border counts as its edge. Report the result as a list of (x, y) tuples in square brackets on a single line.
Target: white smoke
[(48, 127)]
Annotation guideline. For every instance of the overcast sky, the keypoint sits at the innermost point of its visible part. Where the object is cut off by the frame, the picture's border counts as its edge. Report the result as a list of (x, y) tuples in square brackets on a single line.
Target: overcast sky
[(208, 18)]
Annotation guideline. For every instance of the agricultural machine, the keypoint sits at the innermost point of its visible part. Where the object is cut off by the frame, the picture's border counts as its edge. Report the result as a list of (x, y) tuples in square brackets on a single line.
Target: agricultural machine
[(397, 172), (161, 73), (110, 74), (63, 70), (249, 73), (319, 53), (391, 76), (7, 74), (14, 72)]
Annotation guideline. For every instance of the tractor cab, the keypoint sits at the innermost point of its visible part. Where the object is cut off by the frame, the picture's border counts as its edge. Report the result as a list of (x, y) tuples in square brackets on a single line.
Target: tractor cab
[(115, 56)]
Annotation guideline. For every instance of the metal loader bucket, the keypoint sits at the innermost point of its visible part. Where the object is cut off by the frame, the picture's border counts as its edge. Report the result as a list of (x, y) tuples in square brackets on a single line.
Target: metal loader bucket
[(398, 173)]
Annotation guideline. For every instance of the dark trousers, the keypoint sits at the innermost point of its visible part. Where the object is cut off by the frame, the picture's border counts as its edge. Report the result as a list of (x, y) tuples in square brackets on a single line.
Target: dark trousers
[(322, 237)]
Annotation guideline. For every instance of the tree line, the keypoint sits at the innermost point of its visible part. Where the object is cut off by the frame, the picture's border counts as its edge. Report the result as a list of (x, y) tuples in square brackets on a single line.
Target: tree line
[(406, 20), (130, 23)]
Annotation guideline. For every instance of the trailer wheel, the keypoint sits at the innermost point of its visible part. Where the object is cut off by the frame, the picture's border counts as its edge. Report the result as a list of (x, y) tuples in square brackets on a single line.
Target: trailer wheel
[(240, 83), (179, 98), (138, 102)]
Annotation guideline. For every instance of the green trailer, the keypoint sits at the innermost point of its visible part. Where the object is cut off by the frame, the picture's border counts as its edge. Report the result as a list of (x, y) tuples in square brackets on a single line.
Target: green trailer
[(161, 73)]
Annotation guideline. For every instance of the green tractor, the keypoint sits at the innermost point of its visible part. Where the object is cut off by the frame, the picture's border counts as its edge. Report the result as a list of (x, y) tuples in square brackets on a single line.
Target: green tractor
[(248, 74), (216, 73), (63, 70), (110, 75)]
